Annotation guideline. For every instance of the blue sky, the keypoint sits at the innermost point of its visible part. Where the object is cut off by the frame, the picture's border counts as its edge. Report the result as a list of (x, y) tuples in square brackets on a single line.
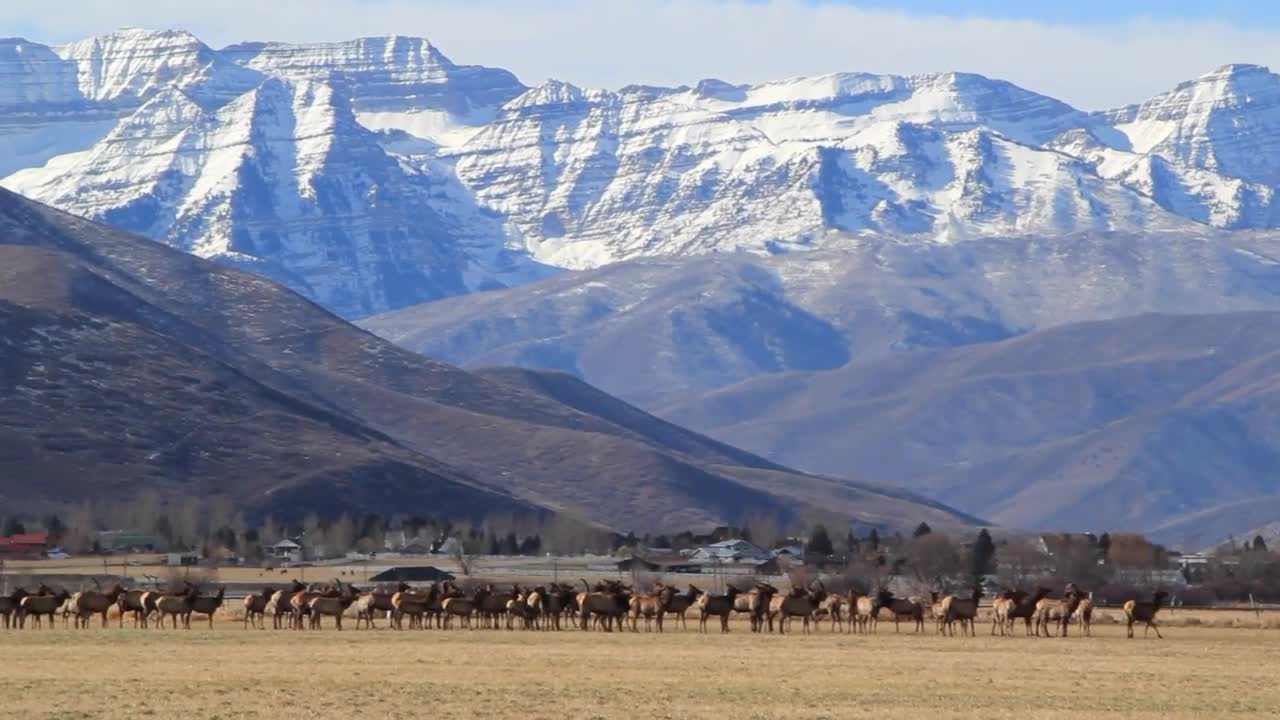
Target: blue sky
[(1090, 53), (1094, 12)]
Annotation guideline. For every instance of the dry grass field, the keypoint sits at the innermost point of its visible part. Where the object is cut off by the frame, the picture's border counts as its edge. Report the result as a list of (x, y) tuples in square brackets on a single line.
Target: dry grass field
[(1196, 672)]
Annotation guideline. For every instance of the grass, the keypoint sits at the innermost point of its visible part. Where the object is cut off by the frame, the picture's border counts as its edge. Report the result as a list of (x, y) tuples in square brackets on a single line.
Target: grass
[(1196, 672)]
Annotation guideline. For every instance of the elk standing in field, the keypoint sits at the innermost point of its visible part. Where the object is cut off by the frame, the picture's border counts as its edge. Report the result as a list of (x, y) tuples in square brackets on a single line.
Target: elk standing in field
[(649, 605), (87, 603), (679, 605), (9, 606), (1024, 608), (255, 608), (1144, 611), (130, 601), (755, 604), (862, 611), (44, 602), (608, 605), (208, 605), (720, 606), (832, 606), (799, 603), (961, 610), (177, 606), (911, 608), (1057, 612), (1084, 616), (279, 606), (334, 607)]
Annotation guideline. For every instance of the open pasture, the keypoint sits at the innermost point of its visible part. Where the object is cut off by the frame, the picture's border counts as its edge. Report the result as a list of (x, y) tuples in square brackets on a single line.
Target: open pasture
[(228, 672)]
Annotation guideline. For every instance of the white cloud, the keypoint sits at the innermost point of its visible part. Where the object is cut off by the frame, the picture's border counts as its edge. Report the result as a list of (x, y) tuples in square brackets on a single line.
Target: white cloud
[(611, 43)]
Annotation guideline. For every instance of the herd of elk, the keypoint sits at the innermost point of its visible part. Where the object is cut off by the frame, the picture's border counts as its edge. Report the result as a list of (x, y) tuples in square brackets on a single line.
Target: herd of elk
[(604, 605)]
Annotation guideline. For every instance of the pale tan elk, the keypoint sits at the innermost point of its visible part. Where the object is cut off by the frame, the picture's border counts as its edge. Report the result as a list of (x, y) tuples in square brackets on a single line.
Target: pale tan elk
[(832, 606), (911, 608), (459, 607), (518, 608), (937, 611), (1144, 611), (279, 607), (334, 607), (754, 603), (1055, 611), (649, 606), (87, 603), (208, 605), (536, 602), (255, 608), (1084, 616), (410, 604), (863, 611), (720, 606), (177, 607), (44, 603)]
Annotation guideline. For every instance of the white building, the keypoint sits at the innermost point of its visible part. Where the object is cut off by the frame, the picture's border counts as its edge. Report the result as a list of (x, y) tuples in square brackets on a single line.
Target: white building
[(287, 550), (730, 551)]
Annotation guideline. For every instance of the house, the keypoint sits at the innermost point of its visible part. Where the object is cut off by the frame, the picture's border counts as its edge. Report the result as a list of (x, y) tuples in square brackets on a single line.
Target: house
[(130, 541), (791, 552), (730, 551), (422, 573), (286, 550), (179, 559), (25, 545)]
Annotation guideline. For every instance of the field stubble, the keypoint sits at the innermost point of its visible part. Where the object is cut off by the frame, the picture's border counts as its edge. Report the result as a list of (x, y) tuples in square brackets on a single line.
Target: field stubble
[(1196, 672)]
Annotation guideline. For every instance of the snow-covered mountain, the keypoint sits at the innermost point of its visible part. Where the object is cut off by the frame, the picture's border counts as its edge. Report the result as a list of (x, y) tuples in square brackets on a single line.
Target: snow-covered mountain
[(377, 173)]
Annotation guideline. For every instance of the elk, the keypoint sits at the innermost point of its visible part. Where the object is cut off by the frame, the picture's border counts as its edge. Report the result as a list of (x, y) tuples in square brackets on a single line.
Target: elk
[(1084, 616), (831, 606), (607, 605), (800, 602), (300, 602), (255, 608), (561, 600), (455, 605), (1144, 611), (1024, 608), (900, 607), (937, 611), (536, 608), (177, 606), (334, 607), (130, 601), (1058, 612), (492, 605), (1000, 607), (650, 606), (962, 610), (755, 603), (279, 603), (9, 606), (44, 602), (87, 603), (520, 608), (679, 605), (207, 605), (720, 606)]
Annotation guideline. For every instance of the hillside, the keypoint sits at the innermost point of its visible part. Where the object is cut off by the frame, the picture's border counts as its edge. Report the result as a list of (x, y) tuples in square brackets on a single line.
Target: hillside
[(1123, 424), (240, 386)]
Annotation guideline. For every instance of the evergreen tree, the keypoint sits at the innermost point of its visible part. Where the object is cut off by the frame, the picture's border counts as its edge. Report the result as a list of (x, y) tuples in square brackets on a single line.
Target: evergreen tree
[(1259, 545), (1104, 546), (984, 554), (56, 529), (873, 539), (13, 526), (922, 529), (820, 542), (851, 542)]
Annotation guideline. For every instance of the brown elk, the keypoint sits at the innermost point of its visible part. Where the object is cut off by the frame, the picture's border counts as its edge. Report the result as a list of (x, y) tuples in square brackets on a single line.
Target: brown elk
[(960, 610), (87, 603), (208, 605), (454, 605), (608, 605), (679, 605), (1055, 611), (300, 602), (44, 602), (912, 608), (832, 606), (755, 604), (130, 601), (255, 608), (799, 603), (1144, 611), (1023, 608), (9, 606), (720, 606), (334, 607), (177, 606)]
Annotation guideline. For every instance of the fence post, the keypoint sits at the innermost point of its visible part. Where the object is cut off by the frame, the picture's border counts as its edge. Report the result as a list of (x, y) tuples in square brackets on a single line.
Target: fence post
[(1257, 613)]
